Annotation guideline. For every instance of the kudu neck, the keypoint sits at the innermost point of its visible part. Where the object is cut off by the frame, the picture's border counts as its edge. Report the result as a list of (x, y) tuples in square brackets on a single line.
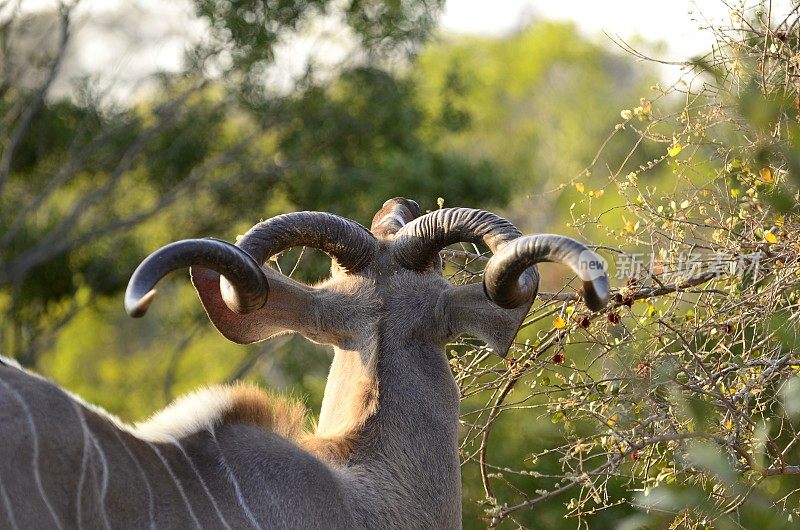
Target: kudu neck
[(394, 359), (404, 462)]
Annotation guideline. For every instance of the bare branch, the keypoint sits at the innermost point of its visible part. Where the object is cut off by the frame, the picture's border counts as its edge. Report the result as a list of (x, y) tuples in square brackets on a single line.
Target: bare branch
[(38, 98)]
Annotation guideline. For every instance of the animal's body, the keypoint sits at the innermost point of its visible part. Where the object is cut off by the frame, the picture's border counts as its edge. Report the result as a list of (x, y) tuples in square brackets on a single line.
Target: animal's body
[(384, 453)]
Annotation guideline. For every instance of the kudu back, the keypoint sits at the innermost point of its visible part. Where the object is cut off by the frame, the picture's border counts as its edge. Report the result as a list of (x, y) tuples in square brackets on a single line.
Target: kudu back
[(384, 451)]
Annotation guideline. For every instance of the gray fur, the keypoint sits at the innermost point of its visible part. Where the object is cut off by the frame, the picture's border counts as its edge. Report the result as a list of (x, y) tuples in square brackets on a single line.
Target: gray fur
[(400, 468)]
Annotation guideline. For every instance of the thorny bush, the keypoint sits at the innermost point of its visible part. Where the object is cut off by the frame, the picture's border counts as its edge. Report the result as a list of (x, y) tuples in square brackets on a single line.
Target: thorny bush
[(680, 403)]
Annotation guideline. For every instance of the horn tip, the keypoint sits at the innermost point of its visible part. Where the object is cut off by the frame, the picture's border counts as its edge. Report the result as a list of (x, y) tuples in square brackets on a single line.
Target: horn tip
[(596, 295), (138, 308), (596, 304)]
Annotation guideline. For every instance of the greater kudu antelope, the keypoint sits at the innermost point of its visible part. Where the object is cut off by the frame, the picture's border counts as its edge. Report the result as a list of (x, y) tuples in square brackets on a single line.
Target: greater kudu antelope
[(384, 453)]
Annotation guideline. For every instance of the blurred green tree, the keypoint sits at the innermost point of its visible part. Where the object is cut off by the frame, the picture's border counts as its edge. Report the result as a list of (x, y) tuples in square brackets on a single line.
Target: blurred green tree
[(87, 187), (535, 103)]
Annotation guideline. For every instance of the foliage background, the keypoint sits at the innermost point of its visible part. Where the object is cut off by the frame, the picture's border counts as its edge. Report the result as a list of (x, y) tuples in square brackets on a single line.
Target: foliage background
[(675, 408)]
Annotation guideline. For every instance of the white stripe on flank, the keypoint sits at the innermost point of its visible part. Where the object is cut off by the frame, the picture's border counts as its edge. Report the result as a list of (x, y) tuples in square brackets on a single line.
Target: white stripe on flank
[(84, 461), (7, 506), (202, 483), (104, 479), (235, 483), (150, 504), (177, 483), (35, 447)]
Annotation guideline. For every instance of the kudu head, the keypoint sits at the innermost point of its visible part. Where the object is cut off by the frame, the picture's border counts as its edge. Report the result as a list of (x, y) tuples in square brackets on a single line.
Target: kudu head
[(392, 271)]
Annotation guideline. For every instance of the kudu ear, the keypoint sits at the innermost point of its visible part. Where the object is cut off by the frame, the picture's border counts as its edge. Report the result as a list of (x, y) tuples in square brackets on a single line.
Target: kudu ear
[(290, 306), (468, 310)]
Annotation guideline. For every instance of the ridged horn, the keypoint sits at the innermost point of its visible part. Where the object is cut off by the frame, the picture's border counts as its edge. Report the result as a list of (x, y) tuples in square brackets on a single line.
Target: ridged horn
[(417, 244), (351, 245), (244, 275), (393, 215), (507, 285)]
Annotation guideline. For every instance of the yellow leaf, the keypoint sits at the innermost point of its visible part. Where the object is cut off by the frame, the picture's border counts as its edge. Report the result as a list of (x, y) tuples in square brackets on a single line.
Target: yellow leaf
[(559, 323), (674, 149), (598, 193), (769, 237), (580, 187), (766, 174), (780, 220), (612, 421)]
